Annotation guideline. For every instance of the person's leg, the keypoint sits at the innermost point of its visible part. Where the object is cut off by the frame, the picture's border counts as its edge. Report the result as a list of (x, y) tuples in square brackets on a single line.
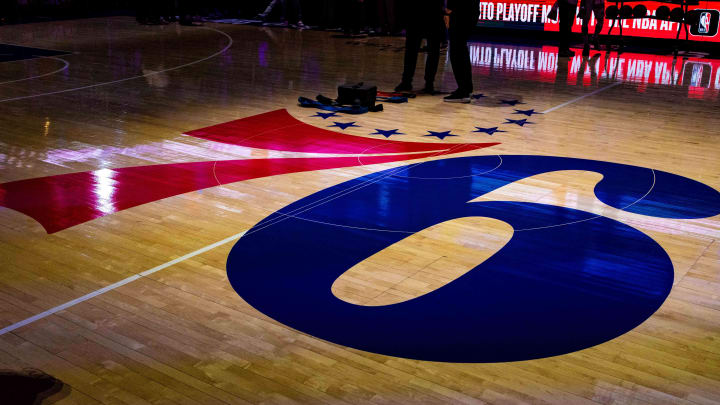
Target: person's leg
[(293, 11), (585, 13), (371, 18), (391, 20), (332, 11), (599, 10), (380, 22), (562, 22), (460, 55), (412, 47), (347, 15), (183, 12), (298, 9), (359, 16), (432, 61), (285, 11), (567, 14), (325, 14)]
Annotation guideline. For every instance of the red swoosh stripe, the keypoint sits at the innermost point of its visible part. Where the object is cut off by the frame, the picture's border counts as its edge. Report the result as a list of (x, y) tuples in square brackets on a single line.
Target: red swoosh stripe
[(62, 201)]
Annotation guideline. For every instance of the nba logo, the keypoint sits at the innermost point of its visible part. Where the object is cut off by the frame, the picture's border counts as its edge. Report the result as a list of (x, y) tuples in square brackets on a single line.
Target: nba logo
[(697, 75), (704, 26)]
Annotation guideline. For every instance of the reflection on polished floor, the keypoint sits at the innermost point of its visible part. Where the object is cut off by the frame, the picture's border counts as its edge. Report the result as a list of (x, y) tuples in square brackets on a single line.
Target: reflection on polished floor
[(175, 228)]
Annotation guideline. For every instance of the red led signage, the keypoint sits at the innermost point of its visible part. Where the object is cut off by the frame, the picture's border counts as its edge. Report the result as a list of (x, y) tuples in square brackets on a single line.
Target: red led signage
[(532, 14)]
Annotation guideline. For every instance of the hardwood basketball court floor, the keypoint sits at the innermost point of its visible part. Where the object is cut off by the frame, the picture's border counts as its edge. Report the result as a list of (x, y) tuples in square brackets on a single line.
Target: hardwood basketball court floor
[(174, 228)]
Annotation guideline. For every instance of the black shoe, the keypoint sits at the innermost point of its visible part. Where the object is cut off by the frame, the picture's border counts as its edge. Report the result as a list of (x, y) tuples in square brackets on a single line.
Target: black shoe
[(566, 53), (428, 89), (403, 86), (457, 98)]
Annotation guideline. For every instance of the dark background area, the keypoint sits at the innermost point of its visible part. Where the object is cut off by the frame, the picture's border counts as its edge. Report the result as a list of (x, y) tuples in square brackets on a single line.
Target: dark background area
[(23, 11), (28, 11)]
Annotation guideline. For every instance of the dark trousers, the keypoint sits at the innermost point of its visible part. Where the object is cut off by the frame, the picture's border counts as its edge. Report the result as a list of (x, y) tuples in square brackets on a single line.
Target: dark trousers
[(292, 11), (328, 14), (354, 16), (460, 30), (567, 17), (386, 16), (413, 39), (591, 8)]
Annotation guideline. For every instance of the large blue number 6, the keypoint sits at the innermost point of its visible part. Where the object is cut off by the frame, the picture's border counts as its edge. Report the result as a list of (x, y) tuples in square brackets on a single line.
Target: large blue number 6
[(553, 289)]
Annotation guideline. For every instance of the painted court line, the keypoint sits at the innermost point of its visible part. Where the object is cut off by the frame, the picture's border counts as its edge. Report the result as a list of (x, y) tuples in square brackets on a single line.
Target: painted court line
[(117, 285), (91, 86), (341, 193), (557, 107), (180, 259), (66, 64), (652, 187)]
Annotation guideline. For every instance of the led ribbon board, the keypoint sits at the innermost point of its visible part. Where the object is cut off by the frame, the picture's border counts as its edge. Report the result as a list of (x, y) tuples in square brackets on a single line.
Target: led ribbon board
[(532, 14)]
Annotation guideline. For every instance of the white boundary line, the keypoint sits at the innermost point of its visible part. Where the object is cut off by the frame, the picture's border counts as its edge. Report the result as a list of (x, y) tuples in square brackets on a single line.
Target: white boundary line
[(180, 259), (120, 283), (67, 64), (557, 107), (652, 187), (349, 190), (230, 43), (363, 153)]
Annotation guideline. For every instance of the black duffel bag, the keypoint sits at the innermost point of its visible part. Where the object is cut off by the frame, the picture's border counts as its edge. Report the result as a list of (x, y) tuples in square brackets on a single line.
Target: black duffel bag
[(357, 94)]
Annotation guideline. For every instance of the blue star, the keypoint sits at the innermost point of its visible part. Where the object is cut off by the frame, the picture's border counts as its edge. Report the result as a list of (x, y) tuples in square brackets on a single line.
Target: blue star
[(529, 113), (344, 125), (441, 135), (325, 115), (478, 96), (510, 102), (488, 131), (387, 133), (521, 122)]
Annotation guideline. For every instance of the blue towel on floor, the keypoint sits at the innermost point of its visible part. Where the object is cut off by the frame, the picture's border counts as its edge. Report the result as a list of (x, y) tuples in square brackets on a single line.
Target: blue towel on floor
[(355, 109)]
